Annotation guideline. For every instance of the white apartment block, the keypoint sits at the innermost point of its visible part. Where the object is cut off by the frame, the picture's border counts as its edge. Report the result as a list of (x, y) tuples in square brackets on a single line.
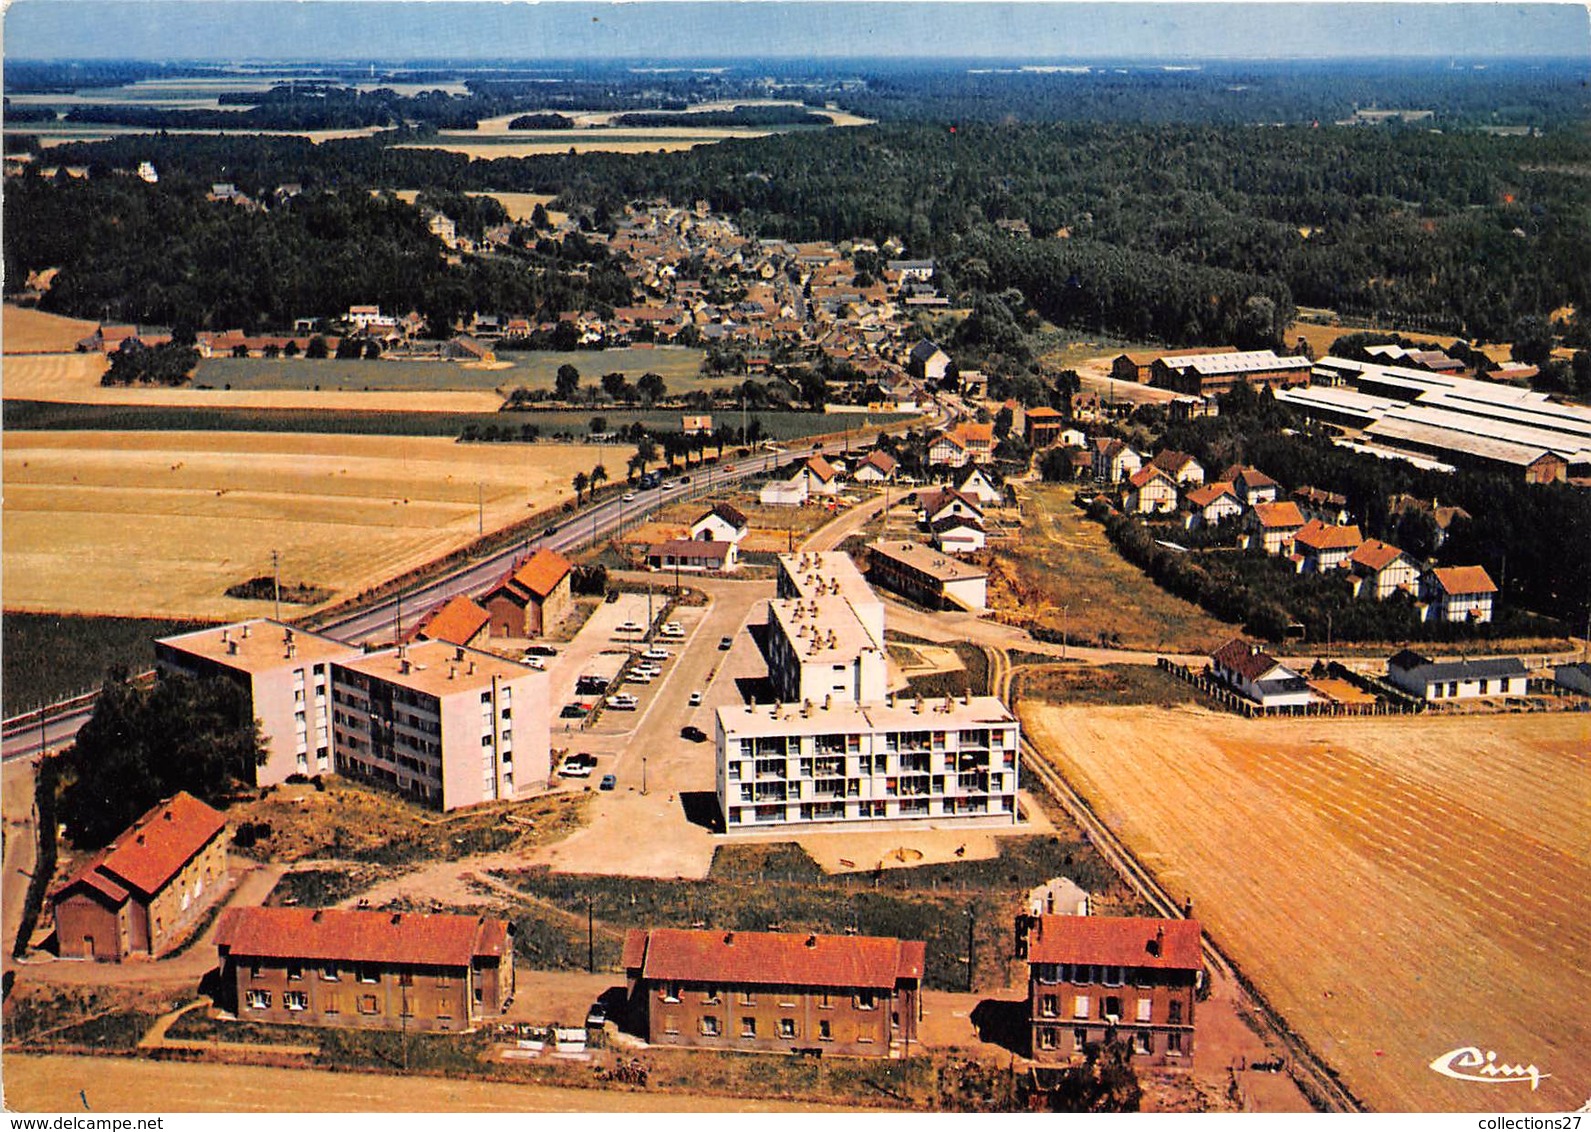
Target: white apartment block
[(893, 760), (444, 725), (287, 675), (825, 632)]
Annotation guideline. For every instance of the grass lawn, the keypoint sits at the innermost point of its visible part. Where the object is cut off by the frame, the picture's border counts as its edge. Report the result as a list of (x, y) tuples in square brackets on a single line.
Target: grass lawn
[(677, 365), (1064, 559), (1104, 684), (48, 657)]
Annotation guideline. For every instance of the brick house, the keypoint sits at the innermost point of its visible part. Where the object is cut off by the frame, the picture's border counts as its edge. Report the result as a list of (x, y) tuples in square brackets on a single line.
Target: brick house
[(136, 895), (773, 992), (457, 621), (1042, 426), (1088, 975), (364, 970), (531, 597)]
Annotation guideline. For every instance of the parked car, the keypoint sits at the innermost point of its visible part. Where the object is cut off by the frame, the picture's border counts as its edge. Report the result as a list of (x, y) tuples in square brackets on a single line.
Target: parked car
[(672, 629), (608, 782), (597, 1016), (575, 767), (684, 480), (536, 662), (693, 733), (613, 596), (656, 653), (589, 685), (725, 644), (623, 701), (696, 699), (572, 711), (540, 650), (639, 676), (629, 627)]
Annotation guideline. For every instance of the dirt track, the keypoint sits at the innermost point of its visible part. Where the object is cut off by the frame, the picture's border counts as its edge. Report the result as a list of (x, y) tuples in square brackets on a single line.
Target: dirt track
[(1396, 888), (52, 1084)]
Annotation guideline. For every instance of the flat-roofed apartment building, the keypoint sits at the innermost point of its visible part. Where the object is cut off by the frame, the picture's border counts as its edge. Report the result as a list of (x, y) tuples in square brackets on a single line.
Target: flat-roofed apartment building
[(1091, 974), (444, 725), (287, 674), (774, 992), (905, 758), (138, 894), (825, 632), (927, 576), (364, 970)]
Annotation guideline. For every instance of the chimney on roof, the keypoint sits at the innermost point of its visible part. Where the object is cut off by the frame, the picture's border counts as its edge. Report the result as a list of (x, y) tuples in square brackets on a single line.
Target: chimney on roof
[(140, 839), (245, 630), (452, 672), (812, 941), (397, 917), (232, 648), (729, 937), (458, 652), (226, 634), (828, 700), (319, 915), (806, 709), (287, 636)]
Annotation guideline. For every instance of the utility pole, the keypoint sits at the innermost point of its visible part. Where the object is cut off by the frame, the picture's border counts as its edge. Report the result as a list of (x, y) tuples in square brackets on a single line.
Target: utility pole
[(1064, 624), (276, 584), (480, 509), (643, 774), (971, 921), (591, 938)]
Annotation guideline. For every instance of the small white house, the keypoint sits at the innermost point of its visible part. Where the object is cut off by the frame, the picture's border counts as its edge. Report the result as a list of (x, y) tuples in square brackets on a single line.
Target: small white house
[(979, 486), (784, 493), (879, 467), (959, 534), (1211, 504), (1150, 491), (1459, 593), (1254, 673), (722, 523), (1573, 677), (1456, 679)]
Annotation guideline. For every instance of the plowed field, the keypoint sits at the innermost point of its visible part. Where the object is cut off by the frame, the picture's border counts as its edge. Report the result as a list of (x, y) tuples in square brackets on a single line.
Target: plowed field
[(1396, 888)]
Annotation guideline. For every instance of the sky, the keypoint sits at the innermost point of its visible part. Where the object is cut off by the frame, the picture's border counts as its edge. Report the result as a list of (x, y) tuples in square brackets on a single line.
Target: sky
[(464, 30)]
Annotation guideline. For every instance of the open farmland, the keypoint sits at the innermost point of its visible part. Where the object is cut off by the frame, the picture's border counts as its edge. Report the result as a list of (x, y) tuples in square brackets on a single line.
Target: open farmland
[(161, 523), (1396, 888), (26, 330)]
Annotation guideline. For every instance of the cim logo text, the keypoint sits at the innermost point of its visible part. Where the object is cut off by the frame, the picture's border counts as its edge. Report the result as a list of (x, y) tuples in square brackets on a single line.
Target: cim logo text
[(1467, 1063)]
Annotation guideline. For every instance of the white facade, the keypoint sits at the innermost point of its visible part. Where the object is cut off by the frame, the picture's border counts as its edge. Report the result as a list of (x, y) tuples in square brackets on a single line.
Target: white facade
[(978, 487), (918, 759), (1440, 681), (446, 726), (784, 493)]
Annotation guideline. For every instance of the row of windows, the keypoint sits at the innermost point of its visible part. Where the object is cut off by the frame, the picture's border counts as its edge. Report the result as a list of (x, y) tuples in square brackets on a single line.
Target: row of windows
[(330, 1004), (709, 1027), (1084, 974), (772, 808), (1143, 1041), (767, 789), (893, 742), (1110, 1006), (786, 996)]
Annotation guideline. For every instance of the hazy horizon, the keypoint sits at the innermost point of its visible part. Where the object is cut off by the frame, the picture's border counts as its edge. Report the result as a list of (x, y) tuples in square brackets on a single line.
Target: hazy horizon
[(466, 31)]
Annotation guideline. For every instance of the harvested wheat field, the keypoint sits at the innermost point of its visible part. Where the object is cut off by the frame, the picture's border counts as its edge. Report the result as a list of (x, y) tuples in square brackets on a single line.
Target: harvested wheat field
[(1396, 888), (74, 379), (161, 523), (30, 331)]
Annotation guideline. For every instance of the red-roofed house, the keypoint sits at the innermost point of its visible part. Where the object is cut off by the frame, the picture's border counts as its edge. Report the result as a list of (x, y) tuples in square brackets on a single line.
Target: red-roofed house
[(1211, 504), (1180, 467), (1252, 672), (364, 970), (1253, 486), (458, 621), (136, 895), (1114, 460), (967, 443), (1380, 569), (1088, 974), (771, 991), (1319, 547), (1042, 426), (879, 467), (820, 476), (722, 523), (530, 598), (1149, 491), (1459, 593), (696, 556), (1276, 524)]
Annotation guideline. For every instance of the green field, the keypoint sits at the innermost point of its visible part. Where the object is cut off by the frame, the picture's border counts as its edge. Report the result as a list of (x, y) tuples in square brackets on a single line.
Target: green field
[(47, 657), (36, 415), (535, 369)]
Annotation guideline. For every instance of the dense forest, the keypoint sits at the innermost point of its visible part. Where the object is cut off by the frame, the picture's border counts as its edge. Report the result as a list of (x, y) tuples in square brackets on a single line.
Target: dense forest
[(1142, 227), (161, 254)]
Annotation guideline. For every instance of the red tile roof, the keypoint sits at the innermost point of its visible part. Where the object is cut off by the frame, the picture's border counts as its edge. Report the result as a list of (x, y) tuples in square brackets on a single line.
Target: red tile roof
[(1143, 476), (1116, 941), (1043, 413), (789, 959), (334, 935), (152, 851), (1248, 661), (821, 468), (542, 572), (1375, 555), (1321, 536), (1172, 461), (1209, 493), (1248, 476), (1463, 580), (728, 514), (457, 622), (1284, 514), (883, 461)]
